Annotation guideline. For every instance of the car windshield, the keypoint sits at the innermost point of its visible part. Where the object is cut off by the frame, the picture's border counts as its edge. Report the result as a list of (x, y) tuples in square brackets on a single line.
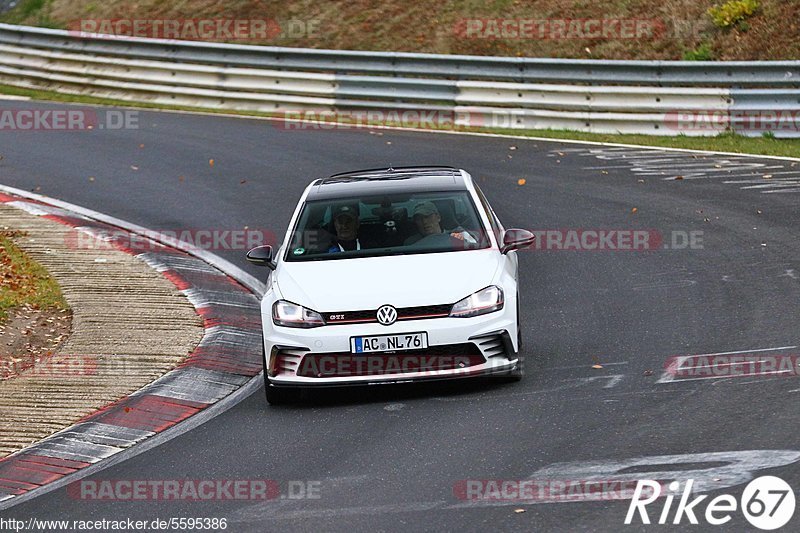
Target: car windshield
[(389, 224)]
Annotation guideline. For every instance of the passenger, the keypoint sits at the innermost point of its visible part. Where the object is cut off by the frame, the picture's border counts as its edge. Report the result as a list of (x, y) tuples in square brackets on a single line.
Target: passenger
[(429, 223)]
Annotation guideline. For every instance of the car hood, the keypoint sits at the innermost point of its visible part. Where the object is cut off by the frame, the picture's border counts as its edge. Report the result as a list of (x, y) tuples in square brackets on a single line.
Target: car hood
[(402, 281)]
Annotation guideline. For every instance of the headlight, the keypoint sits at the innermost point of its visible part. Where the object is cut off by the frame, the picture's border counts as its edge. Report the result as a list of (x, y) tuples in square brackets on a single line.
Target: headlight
[(295, 316), (484, 301)]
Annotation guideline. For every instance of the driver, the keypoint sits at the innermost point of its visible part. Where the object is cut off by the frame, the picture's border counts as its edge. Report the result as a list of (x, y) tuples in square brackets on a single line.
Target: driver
[(346, 223)]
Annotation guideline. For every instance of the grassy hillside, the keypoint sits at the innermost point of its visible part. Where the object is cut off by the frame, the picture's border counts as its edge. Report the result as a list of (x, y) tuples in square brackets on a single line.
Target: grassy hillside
[(678, 28)]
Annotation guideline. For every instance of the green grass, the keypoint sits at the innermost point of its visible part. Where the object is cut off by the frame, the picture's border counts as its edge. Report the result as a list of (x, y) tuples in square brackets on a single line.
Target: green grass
[(28, 10), (724, 142), (23, 281)]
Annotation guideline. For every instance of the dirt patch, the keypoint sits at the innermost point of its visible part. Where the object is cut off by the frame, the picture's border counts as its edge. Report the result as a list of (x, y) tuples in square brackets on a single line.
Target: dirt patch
[(438, 25), (30, 336)]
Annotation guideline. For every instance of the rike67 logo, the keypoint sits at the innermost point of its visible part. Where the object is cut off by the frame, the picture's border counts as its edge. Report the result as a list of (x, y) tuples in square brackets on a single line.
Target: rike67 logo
[(767, 502)]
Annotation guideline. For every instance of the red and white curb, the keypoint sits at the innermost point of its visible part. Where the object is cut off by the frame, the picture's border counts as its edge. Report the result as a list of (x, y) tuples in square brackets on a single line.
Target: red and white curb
[(227, 358)]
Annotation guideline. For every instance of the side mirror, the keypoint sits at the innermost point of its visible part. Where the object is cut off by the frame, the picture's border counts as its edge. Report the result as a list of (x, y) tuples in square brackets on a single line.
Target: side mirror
[(262, 256), (515, 239)]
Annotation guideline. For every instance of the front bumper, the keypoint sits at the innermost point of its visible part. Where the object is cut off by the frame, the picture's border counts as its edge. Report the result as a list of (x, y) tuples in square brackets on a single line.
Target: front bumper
[(320, 357)]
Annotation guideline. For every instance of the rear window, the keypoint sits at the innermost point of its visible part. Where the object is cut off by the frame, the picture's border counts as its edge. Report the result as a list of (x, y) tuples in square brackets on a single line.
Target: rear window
[(393, 224)]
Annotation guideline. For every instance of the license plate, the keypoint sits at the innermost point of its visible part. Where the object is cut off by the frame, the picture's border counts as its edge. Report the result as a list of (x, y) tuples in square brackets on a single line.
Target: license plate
[(389, 343)]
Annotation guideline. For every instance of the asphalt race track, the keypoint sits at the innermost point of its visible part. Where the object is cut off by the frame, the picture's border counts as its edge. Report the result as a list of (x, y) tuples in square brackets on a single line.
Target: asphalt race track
[(599, 327)]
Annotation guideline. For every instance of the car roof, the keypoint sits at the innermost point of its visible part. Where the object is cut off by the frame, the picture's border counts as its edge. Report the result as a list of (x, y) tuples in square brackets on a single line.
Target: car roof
[(387, 181)]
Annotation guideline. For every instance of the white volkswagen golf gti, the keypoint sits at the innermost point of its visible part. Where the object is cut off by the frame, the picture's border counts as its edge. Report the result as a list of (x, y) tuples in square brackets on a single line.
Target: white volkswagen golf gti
[(388, 276)]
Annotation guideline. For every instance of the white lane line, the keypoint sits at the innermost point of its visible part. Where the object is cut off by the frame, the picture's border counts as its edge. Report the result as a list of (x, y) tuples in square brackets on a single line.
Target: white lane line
[(761, 179), (649, 157), (781, 190), (701, 173), (774, 185), (779, 348), (611, 167)]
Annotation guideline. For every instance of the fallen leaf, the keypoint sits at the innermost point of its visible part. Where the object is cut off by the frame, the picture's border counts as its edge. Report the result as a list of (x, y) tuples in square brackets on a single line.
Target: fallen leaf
[(127, 409), (678, 177), (635, 210), (211, 162), (521, 181)]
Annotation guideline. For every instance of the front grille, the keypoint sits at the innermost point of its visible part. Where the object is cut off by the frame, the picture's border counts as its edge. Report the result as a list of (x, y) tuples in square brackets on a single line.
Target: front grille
[(432, 359), (403, 313)]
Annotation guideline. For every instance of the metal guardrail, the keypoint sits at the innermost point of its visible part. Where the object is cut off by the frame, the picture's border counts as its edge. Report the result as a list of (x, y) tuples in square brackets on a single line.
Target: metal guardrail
[(653, 97)]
